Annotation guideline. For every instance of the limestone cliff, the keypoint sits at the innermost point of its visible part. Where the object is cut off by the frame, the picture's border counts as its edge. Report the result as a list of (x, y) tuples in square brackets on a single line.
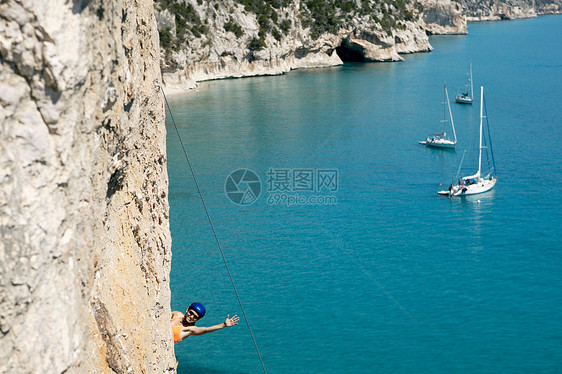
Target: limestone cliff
[(208, 39), (491, 10), (443, 17), (85, 241), (211, 39)]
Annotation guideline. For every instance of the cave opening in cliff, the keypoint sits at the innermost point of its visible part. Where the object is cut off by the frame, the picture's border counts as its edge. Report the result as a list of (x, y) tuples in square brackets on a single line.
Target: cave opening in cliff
[(348, 54)]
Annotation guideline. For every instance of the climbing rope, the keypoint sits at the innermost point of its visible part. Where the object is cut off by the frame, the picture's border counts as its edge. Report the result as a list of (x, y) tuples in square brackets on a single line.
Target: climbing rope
[(214, 233)]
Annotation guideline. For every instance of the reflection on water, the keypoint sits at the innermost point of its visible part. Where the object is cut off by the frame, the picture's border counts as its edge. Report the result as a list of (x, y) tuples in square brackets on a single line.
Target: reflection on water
[(478, 209)]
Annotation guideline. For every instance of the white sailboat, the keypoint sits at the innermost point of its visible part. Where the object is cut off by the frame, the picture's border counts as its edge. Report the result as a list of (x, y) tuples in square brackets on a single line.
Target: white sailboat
[(466, 97), (479, 182), (440, 140)]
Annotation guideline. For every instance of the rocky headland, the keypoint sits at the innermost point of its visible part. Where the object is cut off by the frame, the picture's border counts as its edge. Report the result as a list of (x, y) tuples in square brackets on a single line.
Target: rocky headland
[(203, 40), (495, 10), (208, 39)]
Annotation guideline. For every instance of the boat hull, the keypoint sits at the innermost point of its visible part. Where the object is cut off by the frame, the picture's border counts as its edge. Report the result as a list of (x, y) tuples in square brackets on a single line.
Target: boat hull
[(483, 185), (477, 188), (463, 99), (442, 144)]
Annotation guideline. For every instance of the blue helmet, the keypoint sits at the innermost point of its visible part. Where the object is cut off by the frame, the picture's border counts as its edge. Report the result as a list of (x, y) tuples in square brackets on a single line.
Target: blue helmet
[(199, 308)]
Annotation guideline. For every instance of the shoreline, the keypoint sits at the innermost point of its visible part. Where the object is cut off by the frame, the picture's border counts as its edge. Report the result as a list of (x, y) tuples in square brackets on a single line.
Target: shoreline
[(179, 87), (498, 18), (174, 85)]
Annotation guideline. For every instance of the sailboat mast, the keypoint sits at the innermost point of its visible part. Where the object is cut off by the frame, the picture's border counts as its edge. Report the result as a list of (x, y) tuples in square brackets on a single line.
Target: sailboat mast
[(450, 114), (470, 79), (444, 111), (480, 147)]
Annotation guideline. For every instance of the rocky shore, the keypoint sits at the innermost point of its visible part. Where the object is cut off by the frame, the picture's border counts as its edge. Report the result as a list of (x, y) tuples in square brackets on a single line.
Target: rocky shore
[(225, 51), (223, 44), (508, 9)]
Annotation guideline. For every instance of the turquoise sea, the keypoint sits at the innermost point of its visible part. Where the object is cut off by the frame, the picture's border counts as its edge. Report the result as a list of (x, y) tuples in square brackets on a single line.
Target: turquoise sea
[(380, 274)]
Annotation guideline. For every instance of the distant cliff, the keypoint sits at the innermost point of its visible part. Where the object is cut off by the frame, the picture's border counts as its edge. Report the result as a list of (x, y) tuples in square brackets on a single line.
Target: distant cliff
[(443, 17), (490, 10), (85, 241), (210, 39), (207, 39)]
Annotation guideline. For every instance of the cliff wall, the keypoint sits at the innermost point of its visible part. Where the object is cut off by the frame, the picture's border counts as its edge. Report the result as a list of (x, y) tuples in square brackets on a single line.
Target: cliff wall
[(85, 241), (444, 17), (210, 39), (492, 10), (203, 40)]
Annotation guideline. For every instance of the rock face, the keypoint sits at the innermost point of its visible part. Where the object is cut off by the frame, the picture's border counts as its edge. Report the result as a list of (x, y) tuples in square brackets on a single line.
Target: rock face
[(206, 39), (226, 39), (85, 241), (444, 17), (508, 9), (497, 10)]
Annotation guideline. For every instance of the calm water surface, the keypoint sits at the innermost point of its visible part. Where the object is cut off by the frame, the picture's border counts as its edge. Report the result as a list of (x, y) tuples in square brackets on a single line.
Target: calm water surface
[(392, 278)]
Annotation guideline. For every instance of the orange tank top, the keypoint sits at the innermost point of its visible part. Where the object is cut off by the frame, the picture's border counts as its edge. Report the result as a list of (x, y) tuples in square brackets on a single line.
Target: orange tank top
[(177, 331)]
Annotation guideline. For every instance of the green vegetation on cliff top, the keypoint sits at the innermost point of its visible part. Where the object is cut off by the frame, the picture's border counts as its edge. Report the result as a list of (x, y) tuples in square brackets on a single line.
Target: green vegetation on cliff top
[(277, 17)]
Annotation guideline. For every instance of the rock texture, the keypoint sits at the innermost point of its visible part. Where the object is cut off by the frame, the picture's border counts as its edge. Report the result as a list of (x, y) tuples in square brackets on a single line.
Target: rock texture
[(85, 241), (444, 17), (235, 38), (498, 10), (493, 10), (220, 37)]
